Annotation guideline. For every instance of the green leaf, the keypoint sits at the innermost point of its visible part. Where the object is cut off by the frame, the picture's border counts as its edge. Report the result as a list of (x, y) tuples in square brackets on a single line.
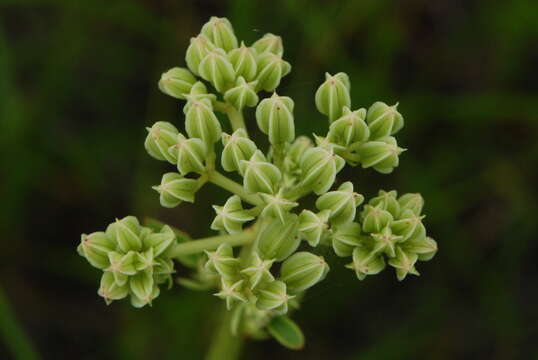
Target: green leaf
[(286, 332)]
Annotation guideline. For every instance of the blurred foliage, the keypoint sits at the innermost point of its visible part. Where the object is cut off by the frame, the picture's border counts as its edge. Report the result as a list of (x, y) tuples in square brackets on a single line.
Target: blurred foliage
[(78, 85)]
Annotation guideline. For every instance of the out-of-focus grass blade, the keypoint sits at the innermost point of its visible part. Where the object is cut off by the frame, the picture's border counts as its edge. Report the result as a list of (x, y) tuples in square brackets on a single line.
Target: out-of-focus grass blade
[(12, 333)]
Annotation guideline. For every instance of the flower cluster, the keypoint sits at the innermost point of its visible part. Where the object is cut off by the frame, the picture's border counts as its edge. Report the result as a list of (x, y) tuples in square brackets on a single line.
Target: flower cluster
[(134, 259), (278, 238)]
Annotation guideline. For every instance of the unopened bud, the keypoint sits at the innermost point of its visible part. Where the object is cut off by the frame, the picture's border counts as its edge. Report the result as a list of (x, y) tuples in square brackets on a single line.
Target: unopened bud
[(217, 69), (319, 168), (269, 43), (381, 154), (303, 270), (271, 69), (349, 128), (244, 62), (275, 118), (202, 123), (160, 137), (259, 174), (279, 240), (199, 47), (333, 95), (175, 188), (231, 216), (177, 82), (190, 154), (312, 227), (383, 120), (366, 263), (220, 32), (237, 147), (242, 95), (341, 203)]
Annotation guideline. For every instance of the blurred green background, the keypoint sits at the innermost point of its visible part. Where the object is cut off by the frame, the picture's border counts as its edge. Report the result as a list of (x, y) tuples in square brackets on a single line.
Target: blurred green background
[(78, 85)]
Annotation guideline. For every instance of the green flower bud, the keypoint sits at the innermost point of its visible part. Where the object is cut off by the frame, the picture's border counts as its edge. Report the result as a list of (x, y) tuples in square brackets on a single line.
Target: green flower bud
[(313, 226), (201, 122), (409, 225), (258, 271), (220, 32), (276, 206), (95, 248), (333, 95), (342, 203), (346, 238), (198, 94), (298, 148), (325, 143), (273, 296), (121, 266), (385, 242), (222, 261), (269, 43), (163, 270), (303, 270), (413, 202), (217, 69), (231, 292), (374, 218), (109, 290), (349, 128), (144, 261), (275, 118), (271, 69), (177, 82), (383, 120), (160, 137), (279, 240), (366, 263), (175, 188), (231, 216), (237, 147), (425, 247), (160, 242), (404, 263), (259, 174), (143, 289), (190, 154), (388, 201), (244, 62), (126, 232), (199, 47), (319, 168), (381, 154), (243, 94)]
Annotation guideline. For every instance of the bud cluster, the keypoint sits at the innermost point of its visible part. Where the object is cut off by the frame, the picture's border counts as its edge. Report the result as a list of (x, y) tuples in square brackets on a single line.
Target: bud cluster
[(135, 260), (278, 236)]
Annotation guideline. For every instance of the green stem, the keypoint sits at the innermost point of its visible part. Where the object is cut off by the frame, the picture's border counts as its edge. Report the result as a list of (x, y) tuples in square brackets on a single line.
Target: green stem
[(224, 344), (235, 116), (278, 155), (236, 119), (12, 334), (213, 242), (218, 179)]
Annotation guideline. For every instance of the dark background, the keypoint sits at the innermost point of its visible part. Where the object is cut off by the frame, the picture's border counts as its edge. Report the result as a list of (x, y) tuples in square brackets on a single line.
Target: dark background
[(78, 85)]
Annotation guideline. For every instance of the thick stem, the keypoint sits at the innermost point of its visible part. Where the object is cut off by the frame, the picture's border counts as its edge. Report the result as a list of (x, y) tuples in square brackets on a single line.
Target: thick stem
[(218, 179), (224, 344), (213, 242)]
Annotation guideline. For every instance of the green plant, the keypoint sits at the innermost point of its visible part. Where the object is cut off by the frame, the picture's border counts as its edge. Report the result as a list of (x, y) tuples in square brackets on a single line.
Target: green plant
[(265, 280)]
